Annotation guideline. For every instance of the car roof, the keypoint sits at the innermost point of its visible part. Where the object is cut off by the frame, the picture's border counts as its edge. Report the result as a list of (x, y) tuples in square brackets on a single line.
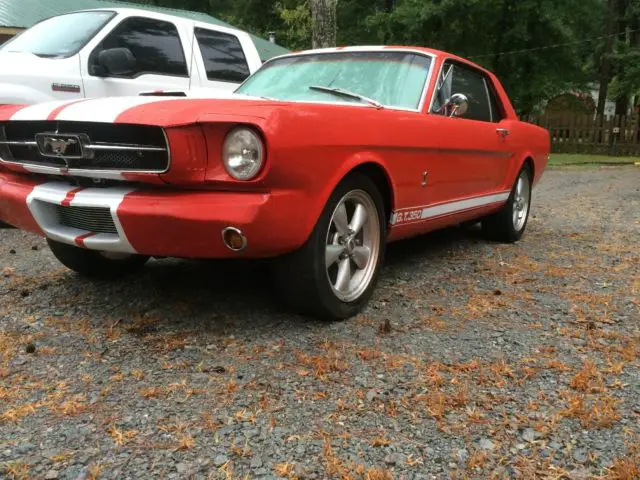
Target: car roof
[(379, 48)]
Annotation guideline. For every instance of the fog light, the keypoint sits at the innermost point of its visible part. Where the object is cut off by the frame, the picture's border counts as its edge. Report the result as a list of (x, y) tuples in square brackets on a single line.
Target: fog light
[(234, 239)]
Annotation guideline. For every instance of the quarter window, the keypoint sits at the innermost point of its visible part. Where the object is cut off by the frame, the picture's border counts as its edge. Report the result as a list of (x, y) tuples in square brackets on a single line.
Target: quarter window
[(155, 44), (470, 83), (496, 114), (223, 56)]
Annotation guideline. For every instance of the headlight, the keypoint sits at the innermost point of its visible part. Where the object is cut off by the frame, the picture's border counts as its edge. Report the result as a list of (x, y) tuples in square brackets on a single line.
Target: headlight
[(243, 153)]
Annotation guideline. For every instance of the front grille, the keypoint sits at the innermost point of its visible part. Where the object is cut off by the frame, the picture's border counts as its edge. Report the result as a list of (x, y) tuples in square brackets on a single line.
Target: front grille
[(129, 160), (119, 147), (90, 219)]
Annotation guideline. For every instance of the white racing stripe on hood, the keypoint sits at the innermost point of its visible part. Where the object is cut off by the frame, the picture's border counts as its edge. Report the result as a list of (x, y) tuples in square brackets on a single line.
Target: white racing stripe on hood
[(39, 111), (105, 109)]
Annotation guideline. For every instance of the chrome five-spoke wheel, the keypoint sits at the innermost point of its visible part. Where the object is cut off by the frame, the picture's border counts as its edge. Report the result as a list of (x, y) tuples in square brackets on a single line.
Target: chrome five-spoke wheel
[(508, 224), (352, 245), (333, 274), (521, 201)]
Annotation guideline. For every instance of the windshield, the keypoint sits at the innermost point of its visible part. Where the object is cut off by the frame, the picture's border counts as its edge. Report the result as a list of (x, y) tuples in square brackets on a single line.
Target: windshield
[(60, 36), (393, 78)]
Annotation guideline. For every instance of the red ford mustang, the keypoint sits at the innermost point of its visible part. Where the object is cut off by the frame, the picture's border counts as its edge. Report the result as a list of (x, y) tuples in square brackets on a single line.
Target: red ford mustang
[(317, 161)]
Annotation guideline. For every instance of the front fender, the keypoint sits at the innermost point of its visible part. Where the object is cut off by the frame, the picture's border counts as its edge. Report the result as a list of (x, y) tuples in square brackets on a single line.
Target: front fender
[(350, 164), (12, 94)]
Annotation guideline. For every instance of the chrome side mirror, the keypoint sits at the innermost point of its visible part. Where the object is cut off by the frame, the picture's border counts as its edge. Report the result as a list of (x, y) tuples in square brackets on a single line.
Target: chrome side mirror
[(459, 104)]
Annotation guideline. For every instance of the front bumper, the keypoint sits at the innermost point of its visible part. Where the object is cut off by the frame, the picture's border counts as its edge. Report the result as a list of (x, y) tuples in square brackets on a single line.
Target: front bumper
[(150, 221)]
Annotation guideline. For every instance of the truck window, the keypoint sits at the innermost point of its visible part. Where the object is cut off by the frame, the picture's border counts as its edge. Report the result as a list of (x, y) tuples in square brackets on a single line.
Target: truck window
[(223, 56), (155, 44), (60, 36)]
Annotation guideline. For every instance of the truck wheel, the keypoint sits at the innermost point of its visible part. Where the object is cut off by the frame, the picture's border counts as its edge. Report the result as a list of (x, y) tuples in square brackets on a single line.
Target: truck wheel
[(508, 224), (333, 275), (95, 264)]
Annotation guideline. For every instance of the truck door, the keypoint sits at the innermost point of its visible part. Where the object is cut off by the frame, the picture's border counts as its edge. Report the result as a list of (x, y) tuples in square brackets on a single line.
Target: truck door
[(159, 53)]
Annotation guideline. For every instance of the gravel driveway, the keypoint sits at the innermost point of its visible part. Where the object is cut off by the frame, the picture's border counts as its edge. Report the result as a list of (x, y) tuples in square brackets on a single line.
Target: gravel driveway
[(474, 360)]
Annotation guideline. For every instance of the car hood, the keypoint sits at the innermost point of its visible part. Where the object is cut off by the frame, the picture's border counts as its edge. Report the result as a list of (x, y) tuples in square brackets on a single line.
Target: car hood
[(147, 110), (166, 111)]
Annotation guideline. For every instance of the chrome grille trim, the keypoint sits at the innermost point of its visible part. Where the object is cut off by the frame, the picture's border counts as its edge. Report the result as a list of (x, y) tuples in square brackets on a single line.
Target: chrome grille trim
[(97, 146), (15, 142), (124, 148), (41, 164), (90, 219)]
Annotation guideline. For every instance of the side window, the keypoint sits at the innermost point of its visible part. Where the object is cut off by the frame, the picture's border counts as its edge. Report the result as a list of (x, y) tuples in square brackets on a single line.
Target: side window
[(223, 56), (155, 44), (457, 79)]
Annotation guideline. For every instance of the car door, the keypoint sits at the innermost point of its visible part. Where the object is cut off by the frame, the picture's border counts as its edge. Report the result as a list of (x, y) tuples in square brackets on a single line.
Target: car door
[(473, 146), (221, 56), (160, 60)]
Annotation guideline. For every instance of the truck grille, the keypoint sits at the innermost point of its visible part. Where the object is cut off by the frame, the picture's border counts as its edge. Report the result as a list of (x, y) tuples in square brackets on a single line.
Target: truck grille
[(96, 146), (90, 219)]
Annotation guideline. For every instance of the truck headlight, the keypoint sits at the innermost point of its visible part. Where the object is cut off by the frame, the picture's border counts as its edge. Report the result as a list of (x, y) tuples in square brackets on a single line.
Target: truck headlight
[(243, 153)]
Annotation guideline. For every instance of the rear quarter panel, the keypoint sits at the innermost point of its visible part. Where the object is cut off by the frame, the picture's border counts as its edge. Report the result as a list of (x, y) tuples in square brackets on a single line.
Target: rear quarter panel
[(528, 141)]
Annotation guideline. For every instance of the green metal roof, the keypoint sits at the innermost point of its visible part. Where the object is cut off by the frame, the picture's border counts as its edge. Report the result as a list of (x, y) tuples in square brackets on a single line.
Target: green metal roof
[(25, 13)]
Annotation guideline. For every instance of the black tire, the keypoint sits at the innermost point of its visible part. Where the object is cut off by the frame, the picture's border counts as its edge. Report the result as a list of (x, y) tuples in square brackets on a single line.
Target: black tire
[(300, 278), (5, 225), (91, 263), (500, 225), (469, 224)]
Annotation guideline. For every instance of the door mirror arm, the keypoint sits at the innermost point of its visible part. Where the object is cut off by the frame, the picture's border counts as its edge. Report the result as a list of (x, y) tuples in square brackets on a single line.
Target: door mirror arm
[(458, 105), (114, 61), (97, 70)]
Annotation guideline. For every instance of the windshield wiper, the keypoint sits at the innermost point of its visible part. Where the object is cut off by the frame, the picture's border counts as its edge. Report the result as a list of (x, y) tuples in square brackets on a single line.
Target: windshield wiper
[(340, 92)]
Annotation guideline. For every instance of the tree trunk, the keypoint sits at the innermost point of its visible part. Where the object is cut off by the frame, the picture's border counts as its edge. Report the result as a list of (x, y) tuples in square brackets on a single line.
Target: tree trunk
[(500, 66), (605, 66), (527, 100), (622, 102), (323, 17)]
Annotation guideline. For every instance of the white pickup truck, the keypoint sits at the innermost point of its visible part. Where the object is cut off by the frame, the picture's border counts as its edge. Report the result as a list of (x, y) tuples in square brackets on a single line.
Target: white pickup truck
[(123, 51)]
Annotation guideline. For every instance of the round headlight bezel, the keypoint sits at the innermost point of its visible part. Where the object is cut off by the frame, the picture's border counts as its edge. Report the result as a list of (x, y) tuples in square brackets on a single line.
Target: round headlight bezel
[(260, 148)]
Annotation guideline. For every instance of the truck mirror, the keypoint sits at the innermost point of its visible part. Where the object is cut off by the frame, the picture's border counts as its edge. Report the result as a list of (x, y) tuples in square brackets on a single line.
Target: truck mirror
[(117, 61)]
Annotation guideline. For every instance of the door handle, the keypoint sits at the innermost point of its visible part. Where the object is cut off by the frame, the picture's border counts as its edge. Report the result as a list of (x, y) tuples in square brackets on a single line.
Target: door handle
[(503, 132)]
